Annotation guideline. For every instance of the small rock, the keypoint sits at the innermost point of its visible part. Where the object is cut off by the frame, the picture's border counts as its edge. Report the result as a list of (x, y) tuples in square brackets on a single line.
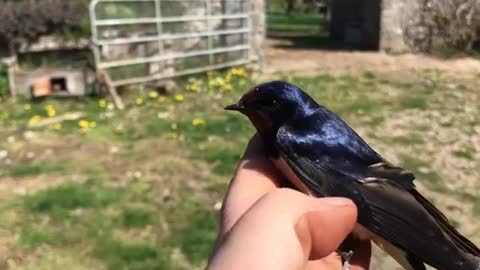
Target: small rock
[(477, 129), (137, 174), (217, 206), (451, 86), (11, 139), (114, 150), (3, 154), (424, 170), (167, 195), (48, 153), (30, 155), (163, 115), (28, 135), (446, 121), (20, 191), (78, 212)]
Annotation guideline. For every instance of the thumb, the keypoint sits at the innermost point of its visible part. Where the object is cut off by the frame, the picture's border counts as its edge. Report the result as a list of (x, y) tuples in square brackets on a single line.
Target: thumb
[(283, 230)]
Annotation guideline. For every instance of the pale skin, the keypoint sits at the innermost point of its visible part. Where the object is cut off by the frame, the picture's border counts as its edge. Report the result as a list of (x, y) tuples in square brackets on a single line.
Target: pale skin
[(265, 226)]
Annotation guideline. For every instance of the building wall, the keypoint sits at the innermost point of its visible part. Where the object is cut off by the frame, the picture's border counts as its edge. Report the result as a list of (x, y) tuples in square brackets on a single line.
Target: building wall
[(257, 36), (389, 25)]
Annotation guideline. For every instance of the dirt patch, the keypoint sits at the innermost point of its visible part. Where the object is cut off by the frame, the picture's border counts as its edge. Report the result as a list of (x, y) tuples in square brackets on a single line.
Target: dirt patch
[(281, 58)]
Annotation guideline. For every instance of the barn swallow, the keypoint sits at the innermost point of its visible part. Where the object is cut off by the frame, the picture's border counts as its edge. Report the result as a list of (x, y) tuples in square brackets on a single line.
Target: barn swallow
[(322, 156)]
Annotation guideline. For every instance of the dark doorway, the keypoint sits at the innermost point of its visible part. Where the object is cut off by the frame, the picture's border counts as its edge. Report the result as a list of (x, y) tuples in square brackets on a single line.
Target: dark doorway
[(356, 23)]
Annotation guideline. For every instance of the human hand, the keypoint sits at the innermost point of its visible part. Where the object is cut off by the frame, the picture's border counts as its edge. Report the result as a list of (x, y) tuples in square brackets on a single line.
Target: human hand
[(265, 226)]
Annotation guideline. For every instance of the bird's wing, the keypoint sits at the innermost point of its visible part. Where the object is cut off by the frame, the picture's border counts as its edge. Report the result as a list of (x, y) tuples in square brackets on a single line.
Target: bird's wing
[(388, 204), (336, 148)]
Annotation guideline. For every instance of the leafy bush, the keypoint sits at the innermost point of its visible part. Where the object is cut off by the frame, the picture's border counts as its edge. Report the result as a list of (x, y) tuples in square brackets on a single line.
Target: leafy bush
[(27, 20)]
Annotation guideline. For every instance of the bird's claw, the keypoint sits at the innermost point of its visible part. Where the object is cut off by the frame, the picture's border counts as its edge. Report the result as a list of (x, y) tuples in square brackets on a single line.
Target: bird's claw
[(346, 256)]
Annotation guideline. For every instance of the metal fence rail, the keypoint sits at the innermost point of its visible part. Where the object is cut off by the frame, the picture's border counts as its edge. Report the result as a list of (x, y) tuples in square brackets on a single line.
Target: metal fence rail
[(138, 41)]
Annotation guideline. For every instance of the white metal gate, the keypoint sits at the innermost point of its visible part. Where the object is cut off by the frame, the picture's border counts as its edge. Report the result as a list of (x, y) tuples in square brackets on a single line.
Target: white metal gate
[(138, 41)]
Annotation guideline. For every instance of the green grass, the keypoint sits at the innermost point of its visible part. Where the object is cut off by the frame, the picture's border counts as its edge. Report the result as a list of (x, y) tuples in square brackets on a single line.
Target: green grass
[(466, 153), (22, 170), (423, 172), (70, 197), (411, 139), (198, 230), (35, 238), (137, 217), (132, 256), (138, 190), (295, 22), (413, 102)]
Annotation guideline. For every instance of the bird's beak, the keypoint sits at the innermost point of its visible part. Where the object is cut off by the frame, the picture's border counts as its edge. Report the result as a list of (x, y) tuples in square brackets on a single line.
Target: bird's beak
[(235, 107)]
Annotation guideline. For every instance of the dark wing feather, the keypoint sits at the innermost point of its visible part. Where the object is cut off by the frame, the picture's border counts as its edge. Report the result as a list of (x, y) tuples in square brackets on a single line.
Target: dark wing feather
[(415, 262), (460, 240), (389, 205), (399, 218)]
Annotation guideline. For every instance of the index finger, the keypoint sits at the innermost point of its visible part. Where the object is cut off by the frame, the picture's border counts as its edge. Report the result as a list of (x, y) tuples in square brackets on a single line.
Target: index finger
[(255, 177)]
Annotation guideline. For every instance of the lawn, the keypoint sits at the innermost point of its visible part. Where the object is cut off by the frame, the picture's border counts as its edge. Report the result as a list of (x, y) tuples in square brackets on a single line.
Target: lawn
[(141, 188), (310, 23)]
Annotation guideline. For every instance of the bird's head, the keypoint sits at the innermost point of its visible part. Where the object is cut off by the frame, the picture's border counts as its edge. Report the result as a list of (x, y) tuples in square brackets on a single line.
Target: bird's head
[(272, 104)]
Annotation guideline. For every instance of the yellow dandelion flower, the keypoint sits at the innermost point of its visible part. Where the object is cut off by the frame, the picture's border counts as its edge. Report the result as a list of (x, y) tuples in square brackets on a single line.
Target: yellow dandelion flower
[(220, 82), (83, 124), (173, 126), (212, 84), (198, 122), (179, 97), (171, 135), (51, 112), (161, 99), (34, 119), (57, 126), (27, 107), (153, 94), (241, 72), (228, 77), (360, 111), (102, 103), (139, 101), (92, 124), (194, 87), (226, 88)]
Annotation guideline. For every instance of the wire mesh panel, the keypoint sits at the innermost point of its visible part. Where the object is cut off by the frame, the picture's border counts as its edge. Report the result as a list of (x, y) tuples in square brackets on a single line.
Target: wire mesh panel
[(143, 40)]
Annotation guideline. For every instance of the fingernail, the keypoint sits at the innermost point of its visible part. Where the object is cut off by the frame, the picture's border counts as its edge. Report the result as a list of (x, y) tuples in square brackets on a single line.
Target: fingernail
[(337, 201)]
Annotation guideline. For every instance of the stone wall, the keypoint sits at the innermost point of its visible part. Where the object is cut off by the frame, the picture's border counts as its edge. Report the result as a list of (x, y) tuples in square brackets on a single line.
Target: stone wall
[(389, 25), (400, 25), (258, 33)]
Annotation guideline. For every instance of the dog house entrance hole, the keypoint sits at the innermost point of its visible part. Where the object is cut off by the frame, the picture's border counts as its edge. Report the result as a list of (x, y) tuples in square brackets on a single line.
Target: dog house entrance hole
[(59, 84)]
